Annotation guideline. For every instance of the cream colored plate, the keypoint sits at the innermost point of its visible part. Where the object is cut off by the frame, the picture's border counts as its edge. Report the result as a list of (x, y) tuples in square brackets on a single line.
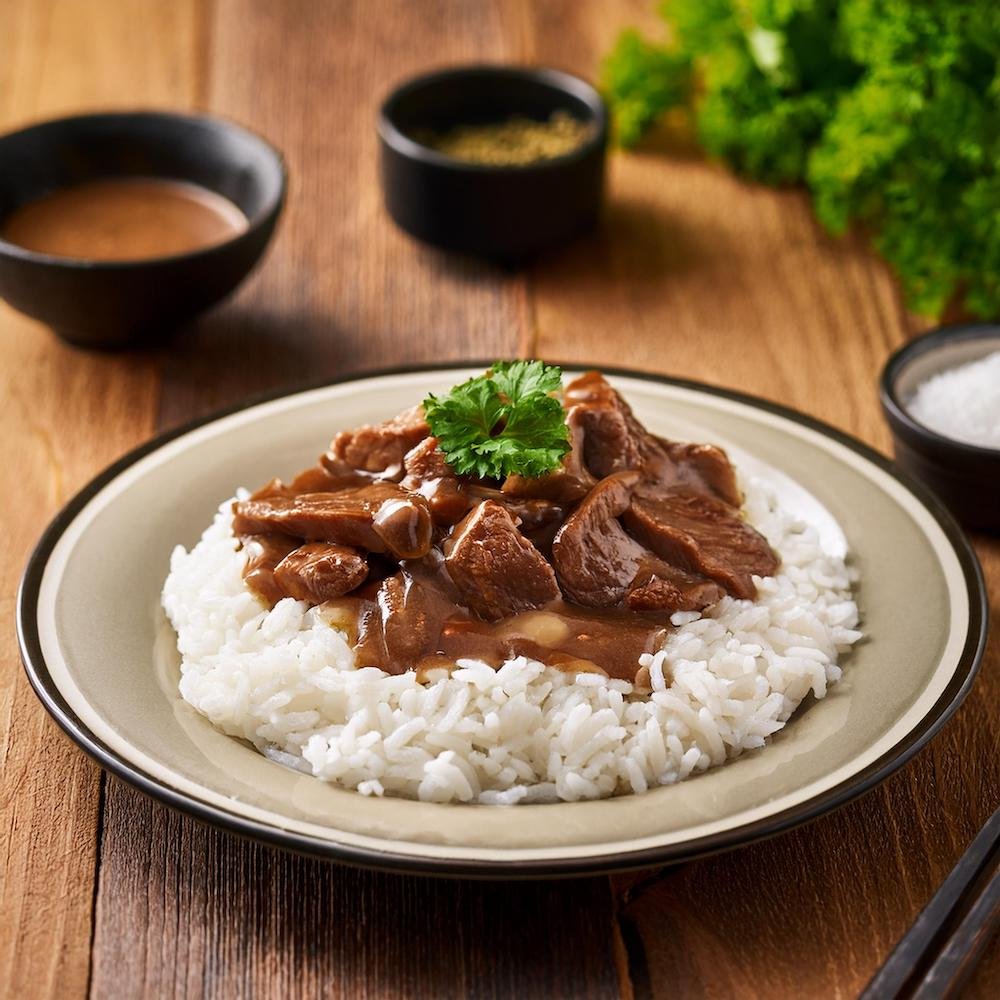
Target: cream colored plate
[(100, 654)]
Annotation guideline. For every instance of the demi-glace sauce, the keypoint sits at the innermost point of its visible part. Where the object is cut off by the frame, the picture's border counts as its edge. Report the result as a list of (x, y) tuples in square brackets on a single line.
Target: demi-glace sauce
[(124, 219), (442, 631)]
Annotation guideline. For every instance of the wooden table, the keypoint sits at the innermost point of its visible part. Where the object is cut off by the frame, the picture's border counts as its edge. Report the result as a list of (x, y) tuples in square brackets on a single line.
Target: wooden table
[(692, 273)]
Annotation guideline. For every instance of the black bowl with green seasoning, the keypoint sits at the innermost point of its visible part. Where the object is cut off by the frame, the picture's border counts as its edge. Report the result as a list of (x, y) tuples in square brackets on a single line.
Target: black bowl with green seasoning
[(498, 161), (965, 475)]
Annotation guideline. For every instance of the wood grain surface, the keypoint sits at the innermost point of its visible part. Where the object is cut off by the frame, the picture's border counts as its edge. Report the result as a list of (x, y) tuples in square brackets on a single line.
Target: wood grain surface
[(691, 273)]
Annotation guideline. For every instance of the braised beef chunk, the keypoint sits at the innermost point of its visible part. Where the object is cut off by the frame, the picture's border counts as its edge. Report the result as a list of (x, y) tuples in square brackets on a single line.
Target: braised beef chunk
[(381, 447), (704, 469), (533, 515), (539, 521), (595, 560), (346, 475), (402, 624), (264, 552), (320, 571), (598, 564), (610, 443), (671, 589), (428, 473), (497, 571), (702, 535), (321, 478), (613, 440), (316, 479), (404, 525), (379, 517), (273, 488), (425, 462)]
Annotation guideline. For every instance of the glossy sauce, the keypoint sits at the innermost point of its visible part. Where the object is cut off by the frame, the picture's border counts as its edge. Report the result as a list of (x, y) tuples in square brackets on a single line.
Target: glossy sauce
[(561, 635), (124, 219)]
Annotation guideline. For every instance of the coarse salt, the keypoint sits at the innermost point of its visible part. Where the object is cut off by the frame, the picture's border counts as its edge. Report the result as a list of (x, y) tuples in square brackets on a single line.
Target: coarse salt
[(962, 403)]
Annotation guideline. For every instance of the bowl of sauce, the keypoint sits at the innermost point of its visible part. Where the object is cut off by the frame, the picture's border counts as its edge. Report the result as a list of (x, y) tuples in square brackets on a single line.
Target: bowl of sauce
[(116, 228)]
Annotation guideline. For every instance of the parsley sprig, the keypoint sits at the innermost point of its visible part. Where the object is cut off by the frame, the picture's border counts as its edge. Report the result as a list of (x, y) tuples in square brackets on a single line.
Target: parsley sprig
[(504, 422)]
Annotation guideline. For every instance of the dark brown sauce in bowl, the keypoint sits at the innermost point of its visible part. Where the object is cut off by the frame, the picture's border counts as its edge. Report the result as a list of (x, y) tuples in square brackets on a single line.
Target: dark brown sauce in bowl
[(124, 219)]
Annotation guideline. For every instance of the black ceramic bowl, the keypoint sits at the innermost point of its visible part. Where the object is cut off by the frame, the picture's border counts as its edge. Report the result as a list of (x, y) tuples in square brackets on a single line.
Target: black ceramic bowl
[(504, 212), (112, 303), (965, 476)]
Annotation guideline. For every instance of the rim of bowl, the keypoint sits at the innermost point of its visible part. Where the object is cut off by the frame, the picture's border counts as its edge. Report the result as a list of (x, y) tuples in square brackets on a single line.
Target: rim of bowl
[(269, 210), (555, 79), (925, 344)]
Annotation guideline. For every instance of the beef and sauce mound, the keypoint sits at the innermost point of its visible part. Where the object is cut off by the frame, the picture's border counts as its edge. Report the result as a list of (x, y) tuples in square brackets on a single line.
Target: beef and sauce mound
[(580, 568)]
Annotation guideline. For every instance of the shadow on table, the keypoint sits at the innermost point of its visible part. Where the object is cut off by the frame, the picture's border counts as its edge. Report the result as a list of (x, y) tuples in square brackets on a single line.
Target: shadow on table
[(227, 917), (245, 348), (399, 935), (635, 240), (240, 351)]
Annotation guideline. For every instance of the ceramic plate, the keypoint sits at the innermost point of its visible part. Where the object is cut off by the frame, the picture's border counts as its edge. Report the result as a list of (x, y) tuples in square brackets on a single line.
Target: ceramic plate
[(100, 654)]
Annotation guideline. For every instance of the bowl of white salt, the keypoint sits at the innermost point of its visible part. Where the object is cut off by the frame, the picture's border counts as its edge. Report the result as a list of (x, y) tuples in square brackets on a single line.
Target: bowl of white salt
[(941, 396)]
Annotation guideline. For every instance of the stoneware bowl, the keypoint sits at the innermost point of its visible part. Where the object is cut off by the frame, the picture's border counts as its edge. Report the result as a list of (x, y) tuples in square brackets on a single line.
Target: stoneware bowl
[(118, 303), (503, 212), (965, 476)]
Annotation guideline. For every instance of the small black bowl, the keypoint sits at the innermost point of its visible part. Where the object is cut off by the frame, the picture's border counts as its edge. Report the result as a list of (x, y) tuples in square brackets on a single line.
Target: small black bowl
[(965, 476), (503, 212), (117, 303)]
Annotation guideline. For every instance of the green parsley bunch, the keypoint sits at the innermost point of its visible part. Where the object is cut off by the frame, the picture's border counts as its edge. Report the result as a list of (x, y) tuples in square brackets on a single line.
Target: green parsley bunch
[(889, 110)]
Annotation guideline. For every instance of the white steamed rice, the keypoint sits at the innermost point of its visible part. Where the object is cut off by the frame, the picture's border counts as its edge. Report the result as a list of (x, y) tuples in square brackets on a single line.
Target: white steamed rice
[(723, 683)]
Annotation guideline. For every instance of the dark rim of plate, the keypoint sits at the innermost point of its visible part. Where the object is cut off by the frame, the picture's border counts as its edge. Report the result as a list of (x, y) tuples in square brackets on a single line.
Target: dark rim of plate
[(953, 695), (556, 80), (262, 217), (928, 343)]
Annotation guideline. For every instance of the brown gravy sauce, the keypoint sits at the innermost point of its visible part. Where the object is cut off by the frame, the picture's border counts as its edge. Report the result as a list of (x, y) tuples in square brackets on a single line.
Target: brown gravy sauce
[(566, 636), (124, 219)]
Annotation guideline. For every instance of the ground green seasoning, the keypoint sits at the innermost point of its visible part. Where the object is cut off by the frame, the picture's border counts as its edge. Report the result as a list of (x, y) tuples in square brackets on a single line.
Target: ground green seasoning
[(514, 142)]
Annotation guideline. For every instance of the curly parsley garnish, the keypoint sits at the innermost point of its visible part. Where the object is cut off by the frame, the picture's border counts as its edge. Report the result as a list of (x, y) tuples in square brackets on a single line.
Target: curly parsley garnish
[(505, 422)]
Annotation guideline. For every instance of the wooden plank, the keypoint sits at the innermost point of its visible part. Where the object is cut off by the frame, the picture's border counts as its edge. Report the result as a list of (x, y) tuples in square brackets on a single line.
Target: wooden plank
[(65, 56), (186, 910), (60, 57), (696, 274), (183, 910), (342, 288)]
